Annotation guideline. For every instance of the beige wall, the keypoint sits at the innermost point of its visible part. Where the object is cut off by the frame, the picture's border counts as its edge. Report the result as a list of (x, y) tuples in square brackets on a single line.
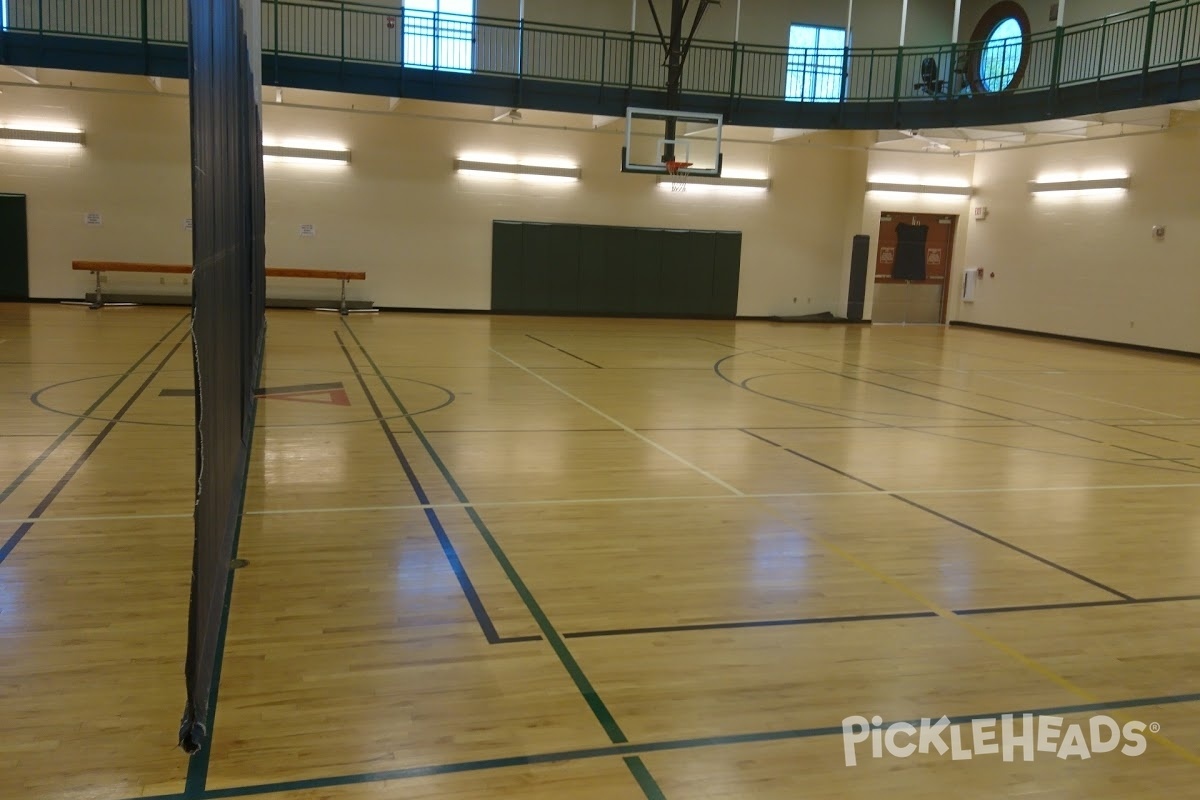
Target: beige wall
[(1087, 265), (399, 211)]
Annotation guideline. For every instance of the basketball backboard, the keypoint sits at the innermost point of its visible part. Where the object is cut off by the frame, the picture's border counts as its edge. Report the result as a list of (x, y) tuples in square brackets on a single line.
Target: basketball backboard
[(655, 136)]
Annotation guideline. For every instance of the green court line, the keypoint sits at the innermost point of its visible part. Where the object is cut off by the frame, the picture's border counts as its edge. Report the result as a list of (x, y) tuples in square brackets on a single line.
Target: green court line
[(557, 643), (662, 746), (645, 780)]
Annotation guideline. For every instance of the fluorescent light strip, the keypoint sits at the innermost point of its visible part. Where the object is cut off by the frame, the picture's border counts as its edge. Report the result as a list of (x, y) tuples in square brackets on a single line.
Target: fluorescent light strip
[(919, 188), (38, 135), (463, 165), (313, 154), (707, 180), (1080, 185)]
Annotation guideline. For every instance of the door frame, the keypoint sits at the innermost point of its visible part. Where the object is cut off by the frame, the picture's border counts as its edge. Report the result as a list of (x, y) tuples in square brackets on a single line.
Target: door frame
[(947, 264)]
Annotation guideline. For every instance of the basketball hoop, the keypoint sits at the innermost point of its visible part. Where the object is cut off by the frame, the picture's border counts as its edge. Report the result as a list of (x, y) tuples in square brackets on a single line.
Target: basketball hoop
[(678, 170)]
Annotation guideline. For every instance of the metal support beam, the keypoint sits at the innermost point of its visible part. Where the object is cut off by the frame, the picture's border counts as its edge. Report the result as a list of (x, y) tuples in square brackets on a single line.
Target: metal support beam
[(903, 21)]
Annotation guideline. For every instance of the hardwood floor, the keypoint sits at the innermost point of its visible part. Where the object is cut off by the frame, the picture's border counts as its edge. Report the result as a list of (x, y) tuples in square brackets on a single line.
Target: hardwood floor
[(593, 558)]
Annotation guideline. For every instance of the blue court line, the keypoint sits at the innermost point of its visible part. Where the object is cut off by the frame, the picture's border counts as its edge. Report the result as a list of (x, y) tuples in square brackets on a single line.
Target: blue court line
[(62, 482), (669, 745), (62, 437), (198, 763), (460, 572)]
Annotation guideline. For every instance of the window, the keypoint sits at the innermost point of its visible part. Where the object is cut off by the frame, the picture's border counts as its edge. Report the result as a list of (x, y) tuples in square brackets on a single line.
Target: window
[(439, 34), (816, 63), (1001, 55)]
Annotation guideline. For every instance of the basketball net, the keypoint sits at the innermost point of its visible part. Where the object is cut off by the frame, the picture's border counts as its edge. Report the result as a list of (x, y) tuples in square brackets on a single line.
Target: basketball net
[(678, 170)]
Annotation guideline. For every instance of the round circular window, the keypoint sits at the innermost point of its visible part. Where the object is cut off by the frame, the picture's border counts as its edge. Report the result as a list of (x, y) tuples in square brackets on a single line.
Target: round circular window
[(1001, 53), (1001, 56)]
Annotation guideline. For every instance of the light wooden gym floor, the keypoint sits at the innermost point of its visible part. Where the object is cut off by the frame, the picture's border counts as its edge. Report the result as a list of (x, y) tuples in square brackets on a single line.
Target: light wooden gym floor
[(589, 558)]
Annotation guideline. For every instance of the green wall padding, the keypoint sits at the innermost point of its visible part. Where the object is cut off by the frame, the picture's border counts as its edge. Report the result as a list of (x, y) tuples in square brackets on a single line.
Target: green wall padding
[(593, 269)]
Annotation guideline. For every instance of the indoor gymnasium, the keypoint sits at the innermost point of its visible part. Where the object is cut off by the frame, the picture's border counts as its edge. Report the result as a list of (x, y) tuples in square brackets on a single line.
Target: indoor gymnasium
[(740, 400)]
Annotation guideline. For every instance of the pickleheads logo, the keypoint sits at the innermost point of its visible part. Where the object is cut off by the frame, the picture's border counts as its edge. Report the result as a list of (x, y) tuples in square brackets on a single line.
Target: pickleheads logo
[(1007, 737)]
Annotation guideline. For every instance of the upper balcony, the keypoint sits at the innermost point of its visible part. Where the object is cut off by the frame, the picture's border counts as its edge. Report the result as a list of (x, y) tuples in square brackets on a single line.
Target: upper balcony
[(1147, 56)]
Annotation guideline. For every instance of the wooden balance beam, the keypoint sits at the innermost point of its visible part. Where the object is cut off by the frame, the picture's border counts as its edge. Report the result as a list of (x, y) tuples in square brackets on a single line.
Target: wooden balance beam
[(99, 267)]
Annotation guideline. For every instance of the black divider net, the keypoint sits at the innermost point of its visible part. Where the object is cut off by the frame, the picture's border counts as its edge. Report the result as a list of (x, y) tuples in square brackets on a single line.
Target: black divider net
[(228, 213)]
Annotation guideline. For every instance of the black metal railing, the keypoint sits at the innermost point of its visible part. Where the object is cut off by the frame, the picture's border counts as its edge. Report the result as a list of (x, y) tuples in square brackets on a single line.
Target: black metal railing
[(1160, 36)]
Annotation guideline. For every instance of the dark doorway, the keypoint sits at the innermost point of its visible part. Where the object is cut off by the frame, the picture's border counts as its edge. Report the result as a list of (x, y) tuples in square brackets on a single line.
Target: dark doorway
[(14, 248)]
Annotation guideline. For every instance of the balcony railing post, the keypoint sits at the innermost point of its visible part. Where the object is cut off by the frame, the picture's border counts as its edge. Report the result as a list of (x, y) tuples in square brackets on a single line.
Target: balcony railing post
[(733, 74), (845, 76), (1056, 65), (1183, 40), (899, 75), (603, 60), (400, 51), (145, 9), (1100, 53), (342, 48), (1149, 48), (629, 79), (952, 75), (278, 11)]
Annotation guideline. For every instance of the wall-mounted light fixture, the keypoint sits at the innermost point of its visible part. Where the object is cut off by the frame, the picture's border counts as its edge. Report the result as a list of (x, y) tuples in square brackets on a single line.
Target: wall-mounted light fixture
[(919, 188), (300, 153), (1082, 185), (732, 182), (42, 136), (505, 168)]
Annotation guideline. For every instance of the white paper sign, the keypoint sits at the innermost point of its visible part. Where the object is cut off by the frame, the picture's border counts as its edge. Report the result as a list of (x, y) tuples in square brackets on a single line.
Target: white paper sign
[(187, 224), (308, 230), (93, 218)]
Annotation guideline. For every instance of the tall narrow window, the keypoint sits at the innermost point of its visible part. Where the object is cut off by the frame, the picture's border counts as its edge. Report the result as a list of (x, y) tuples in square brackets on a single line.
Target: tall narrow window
[(816, 63), (439, 34)]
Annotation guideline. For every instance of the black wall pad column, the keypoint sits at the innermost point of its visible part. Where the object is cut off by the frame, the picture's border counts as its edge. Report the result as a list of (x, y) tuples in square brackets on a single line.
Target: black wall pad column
[(856, 298)]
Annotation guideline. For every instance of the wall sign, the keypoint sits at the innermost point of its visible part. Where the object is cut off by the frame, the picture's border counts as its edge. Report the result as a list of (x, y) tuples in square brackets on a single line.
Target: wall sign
[(308, 230), (93, 218)]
